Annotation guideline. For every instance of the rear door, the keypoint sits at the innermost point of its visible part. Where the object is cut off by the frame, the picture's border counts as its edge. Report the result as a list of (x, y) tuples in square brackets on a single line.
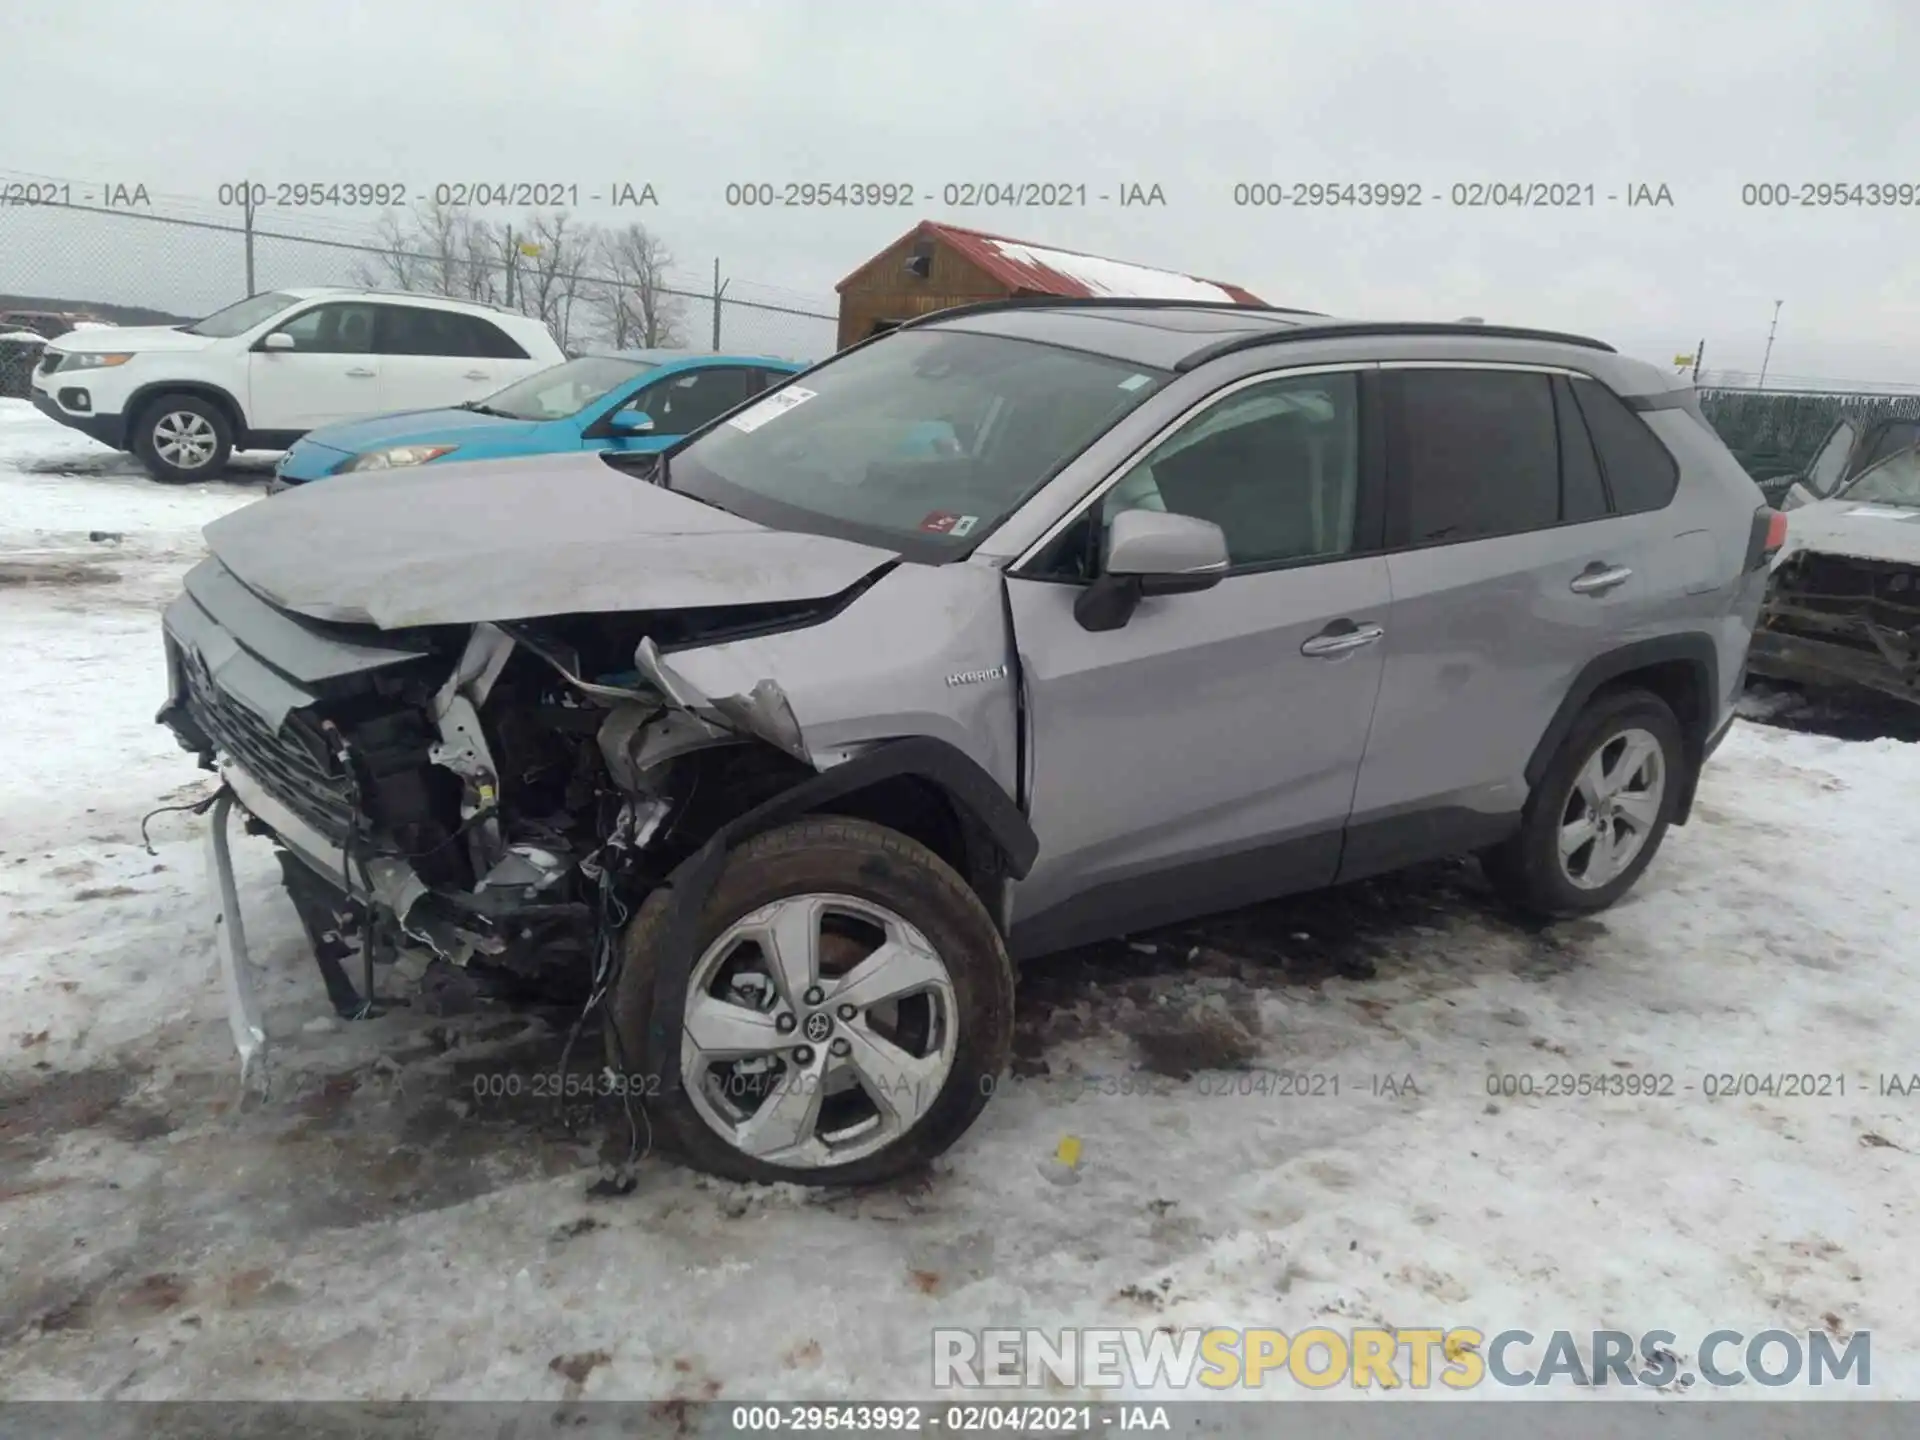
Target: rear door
[(1204, 753), (1510, 571), (432, 358), (332, 372)]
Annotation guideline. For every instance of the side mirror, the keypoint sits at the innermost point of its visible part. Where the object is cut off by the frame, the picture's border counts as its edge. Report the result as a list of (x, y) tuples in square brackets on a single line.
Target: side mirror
[(630, 422), (278, 340), (1150, 552)]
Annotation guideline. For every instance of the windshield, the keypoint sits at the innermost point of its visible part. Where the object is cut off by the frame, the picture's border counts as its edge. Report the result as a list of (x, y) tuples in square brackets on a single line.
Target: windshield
[(565, 389), (240, 318), (930, 437), (1894, 481)]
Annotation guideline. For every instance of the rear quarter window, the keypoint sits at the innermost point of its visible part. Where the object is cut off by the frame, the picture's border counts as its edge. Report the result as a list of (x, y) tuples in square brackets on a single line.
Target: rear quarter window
[(1641, 472), (491, 342)]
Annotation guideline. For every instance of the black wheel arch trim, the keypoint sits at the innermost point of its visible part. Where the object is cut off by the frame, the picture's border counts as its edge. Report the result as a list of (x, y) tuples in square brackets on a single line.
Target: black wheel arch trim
[(140, 399), (692, 881), (1693, 648)]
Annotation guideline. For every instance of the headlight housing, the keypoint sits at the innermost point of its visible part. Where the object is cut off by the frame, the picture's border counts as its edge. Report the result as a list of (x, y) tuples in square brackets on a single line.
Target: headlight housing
[(91, 359), (395, 456)]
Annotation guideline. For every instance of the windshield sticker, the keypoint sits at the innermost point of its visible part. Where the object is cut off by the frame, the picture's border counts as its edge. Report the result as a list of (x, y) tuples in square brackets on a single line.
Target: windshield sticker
[(1134, 382), (964, 524), (771, 408), (946, 522)]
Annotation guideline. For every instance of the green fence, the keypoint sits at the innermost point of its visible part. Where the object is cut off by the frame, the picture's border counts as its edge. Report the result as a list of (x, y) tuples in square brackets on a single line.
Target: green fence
[(1776, 434)]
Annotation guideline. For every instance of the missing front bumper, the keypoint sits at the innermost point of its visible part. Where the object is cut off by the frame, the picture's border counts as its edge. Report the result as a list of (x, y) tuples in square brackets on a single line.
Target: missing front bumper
[(1779, 655)]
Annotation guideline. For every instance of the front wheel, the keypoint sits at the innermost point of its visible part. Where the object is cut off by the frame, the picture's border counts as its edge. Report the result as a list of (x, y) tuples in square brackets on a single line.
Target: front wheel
[(1599, 813), (182, 438), (848, 1014)]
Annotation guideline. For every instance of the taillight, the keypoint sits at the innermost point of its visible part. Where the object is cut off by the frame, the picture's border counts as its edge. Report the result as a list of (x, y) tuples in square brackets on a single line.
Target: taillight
[(1776, 531), (1769, 533)]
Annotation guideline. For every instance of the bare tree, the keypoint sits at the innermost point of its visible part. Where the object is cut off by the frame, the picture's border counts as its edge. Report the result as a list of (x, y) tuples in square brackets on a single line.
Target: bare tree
[(636, 309), (396, 262), (436, 250), (550, 281), (578, 279)]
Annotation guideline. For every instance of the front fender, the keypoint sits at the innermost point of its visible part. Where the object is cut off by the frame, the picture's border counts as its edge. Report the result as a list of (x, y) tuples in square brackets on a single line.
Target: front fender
[(694, 878)]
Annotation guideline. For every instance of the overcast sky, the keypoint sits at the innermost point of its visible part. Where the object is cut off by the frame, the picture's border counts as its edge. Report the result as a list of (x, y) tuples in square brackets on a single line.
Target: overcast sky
[(1701, 96)]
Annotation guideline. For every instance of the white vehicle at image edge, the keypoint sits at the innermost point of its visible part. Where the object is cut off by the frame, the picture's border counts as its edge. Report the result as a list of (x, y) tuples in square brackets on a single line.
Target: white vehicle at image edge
[(261, 373)]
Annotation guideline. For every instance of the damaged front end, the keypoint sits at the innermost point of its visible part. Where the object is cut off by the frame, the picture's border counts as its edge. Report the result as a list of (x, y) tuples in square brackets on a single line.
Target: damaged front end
[(497, 795), (1833, 618)]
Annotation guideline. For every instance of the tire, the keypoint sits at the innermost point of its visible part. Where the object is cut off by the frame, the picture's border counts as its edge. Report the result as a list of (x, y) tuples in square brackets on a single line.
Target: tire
[(851, 874), (183, 438), (1529, 871)]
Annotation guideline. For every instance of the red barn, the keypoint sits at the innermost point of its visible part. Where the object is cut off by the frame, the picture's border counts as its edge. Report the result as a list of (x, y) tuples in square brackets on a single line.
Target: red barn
[(935, 265)]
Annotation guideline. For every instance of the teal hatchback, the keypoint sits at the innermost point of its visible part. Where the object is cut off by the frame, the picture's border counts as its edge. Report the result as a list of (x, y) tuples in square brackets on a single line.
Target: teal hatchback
[(632, 401)]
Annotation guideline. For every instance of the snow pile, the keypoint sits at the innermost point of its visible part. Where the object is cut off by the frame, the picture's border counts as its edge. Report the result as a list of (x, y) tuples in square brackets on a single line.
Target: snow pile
[(1113, 277)]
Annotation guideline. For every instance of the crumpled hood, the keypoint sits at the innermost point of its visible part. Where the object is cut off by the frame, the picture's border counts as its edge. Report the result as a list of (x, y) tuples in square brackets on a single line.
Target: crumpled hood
[(125, 339), (517, 540), (1859, 528)]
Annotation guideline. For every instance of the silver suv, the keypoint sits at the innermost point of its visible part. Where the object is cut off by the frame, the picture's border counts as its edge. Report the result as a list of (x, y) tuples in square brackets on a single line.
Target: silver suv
[(1017, 627)]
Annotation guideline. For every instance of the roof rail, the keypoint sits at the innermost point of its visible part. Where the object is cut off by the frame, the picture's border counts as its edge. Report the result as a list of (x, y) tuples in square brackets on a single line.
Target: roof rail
[(1095, 302), (428, 295), (1344, 328)]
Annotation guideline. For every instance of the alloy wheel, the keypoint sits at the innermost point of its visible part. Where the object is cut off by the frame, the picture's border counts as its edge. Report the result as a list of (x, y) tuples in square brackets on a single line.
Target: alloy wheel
[(184, 439), (818, 1029), (1612, 808)]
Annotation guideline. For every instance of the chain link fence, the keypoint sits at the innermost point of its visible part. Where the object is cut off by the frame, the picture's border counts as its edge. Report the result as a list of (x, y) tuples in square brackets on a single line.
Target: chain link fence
[(595, 285), (1775, 436)]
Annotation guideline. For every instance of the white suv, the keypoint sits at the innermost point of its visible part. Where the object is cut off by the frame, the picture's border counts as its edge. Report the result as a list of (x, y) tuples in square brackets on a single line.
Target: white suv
[(260, 374)]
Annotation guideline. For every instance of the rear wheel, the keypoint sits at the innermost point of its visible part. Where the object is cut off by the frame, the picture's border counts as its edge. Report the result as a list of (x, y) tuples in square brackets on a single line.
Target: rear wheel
[(848, 1013), (183, 438), (1599, 813)]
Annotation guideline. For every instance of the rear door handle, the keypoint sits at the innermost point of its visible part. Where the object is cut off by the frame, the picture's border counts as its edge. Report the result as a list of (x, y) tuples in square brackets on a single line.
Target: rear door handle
[(476, 374), (360, 372), (1340, 637), (1597, 578)]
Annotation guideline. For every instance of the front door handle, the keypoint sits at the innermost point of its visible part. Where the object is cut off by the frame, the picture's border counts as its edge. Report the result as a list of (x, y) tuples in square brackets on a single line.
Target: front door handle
[(1598, 578), (360, 372), (1340, 637), (476, 374)]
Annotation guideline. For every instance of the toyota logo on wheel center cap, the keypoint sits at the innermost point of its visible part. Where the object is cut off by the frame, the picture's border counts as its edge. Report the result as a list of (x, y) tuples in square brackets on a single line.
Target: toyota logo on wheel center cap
[(818, 1027)]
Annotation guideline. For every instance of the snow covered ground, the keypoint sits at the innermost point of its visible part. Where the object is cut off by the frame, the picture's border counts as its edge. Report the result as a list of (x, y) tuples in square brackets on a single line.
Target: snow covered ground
[(377, 1229)]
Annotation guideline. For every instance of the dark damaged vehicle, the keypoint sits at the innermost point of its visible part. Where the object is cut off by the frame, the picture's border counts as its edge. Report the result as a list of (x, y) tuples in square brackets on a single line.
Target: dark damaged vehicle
[(1019, 627), (1843, 607)]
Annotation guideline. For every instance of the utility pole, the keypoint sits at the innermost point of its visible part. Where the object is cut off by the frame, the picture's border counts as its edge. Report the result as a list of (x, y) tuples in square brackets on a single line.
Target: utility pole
[(1698, 351), (511, 265), (719, 289), (1769, 355), (247, 220)]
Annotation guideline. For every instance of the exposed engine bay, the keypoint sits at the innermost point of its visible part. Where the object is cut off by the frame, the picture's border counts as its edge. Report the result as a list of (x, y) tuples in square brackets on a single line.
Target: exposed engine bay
[(502, 795), (1841, 618)]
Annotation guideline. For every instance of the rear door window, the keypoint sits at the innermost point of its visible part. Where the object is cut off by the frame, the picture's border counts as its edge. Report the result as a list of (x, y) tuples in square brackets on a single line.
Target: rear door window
[(416, 330), (1476, 453)]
